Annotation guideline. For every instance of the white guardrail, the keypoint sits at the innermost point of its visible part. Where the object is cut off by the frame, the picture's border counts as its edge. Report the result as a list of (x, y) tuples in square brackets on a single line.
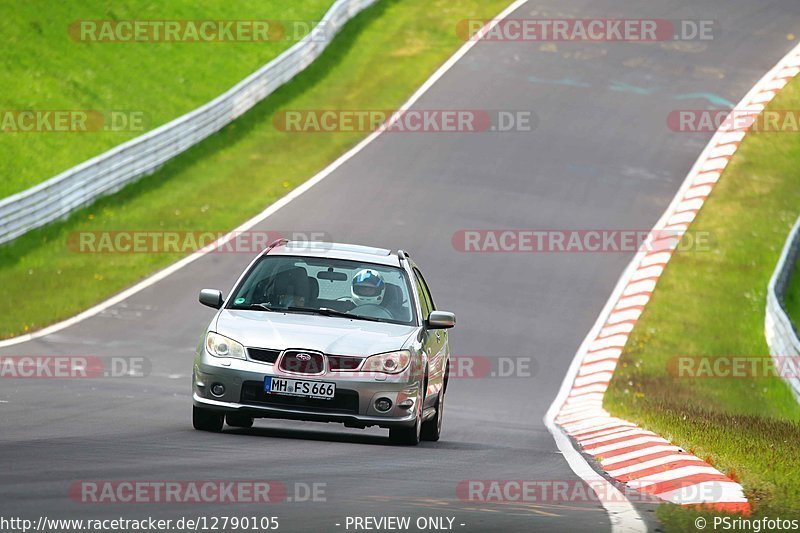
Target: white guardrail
[(123, 164), (781, 334)]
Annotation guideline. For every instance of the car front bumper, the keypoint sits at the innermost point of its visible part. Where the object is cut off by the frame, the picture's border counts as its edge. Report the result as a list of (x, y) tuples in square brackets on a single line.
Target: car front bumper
[(353, 404)]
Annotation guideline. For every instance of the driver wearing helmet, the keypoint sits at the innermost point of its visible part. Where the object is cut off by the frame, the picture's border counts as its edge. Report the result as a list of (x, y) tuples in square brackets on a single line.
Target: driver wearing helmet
[(368, 287)]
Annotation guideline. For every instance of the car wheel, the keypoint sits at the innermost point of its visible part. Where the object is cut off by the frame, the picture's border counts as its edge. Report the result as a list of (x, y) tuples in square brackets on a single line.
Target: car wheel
[(432, 429), (406, 436), (237, 420), (207, 420), (409, 436)]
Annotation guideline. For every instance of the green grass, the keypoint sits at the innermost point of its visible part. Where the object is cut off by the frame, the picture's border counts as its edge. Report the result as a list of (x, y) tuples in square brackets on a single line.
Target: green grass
[(712, 304), (43, 68), (380, 59)]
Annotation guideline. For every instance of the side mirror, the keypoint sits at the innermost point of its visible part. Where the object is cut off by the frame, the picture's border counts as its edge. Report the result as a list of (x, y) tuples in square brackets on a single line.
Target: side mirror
[(441, 320), (212, 298)]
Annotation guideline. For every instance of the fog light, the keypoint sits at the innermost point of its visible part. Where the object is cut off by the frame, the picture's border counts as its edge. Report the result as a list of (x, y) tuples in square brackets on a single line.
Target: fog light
[(217, 389), (383, 404), (406, 404)]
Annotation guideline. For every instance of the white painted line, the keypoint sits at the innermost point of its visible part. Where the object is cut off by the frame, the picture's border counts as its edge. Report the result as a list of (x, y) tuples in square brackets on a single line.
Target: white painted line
[(623, 516), (269, 211), (629, 292)]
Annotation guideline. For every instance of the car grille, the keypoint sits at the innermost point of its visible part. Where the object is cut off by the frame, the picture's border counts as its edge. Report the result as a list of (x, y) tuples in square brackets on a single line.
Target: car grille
[(300, 362), (345, 401), (343, 362), (335, 362), (262, 355)]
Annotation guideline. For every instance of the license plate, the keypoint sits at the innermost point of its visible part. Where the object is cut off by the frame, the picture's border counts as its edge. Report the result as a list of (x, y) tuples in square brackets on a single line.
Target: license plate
[(300, 387)]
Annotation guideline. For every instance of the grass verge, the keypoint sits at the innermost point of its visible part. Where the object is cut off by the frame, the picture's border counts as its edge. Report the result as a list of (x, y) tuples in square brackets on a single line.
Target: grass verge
[(712, 304), (376, 63), (44, 67)]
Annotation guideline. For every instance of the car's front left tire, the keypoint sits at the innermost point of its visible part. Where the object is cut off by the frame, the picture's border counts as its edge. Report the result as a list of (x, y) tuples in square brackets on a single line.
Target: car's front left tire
[(432, 429), (207, 420), (406, 436), (410, 435)]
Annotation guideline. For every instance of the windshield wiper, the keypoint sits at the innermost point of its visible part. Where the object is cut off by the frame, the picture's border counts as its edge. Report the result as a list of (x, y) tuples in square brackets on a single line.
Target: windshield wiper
[(326, 311), (265, 307)]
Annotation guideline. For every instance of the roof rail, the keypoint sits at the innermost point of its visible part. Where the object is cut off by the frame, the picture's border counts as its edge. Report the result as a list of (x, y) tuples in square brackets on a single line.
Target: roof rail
[(275, 243), (402, 254)]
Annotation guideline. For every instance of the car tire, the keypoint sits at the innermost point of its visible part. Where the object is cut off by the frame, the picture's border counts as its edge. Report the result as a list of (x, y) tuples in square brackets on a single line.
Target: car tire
[(207, 420), (409, 436), (432, 429), (406, 436), (236, 420)]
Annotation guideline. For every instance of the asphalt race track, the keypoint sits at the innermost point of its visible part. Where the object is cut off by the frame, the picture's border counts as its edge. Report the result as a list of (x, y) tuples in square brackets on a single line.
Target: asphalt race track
[(601, 157)]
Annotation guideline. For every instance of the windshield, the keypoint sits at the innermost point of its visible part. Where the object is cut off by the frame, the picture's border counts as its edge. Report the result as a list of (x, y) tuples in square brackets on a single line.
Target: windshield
[(334, 287)]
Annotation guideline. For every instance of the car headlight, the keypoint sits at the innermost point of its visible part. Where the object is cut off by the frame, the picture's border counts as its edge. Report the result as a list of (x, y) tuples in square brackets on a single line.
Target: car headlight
[(388, 363), (221, 346)]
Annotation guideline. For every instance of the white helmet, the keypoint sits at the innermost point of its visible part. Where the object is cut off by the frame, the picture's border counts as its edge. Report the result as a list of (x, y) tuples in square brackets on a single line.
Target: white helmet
[(368, 287)]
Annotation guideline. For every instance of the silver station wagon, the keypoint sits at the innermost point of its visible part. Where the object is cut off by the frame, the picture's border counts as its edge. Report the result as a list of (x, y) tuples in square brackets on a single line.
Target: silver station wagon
[(325, 332)]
